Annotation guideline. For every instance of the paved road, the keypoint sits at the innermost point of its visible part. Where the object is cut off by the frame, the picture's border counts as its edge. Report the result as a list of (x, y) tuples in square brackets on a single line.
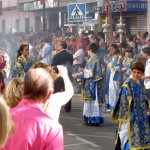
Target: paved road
[(80, 137)]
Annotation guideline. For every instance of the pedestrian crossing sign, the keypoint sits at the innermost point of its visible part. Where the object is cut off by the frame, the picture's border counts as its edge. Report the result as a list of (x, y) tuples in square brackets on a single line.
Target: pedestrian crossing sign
[(77, 12)]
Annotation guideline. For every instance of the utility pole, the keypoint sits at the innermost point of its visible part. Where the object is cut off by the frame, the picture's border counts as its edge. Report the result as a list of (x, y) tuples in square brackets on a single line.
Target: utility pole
[(77, 28)]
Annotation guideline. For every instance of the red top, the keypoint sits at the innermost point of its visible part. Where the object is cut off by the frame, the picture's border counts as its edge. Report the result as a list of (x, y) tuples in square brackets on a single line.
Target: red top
[(74, 44)]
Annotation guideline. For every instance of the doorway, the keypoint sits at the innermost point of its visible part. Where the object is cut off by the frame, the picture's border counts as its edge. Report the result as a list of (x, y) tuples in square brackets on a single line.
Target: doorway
[(27, 25)]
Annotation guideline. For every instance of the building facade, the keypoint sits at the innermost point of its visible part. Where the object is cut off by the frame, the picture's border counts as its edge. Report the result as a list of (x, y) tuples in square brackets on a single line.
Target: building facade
[(12, 20), (134, 14), (27, 15)]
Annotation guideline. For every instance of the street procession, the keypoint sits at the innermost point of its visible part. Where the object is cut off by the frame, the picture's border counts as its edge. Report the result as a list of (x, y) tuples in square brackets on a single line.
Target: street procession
[(74, 74)]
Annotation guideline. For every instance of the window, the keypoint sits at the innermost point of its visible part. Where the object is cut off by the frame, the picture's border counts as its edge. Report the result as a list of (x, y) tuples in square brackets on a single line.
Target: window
[(17, 25)]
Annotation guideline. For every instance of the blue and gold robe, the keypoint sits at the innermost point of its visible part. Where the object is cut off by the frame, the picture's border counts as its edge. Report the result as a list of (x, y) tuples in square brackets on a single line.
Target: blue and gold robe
[(22, 65), (111, 70), (127, 62), (131, 108), (92, 93), (101, 53), (88, 92), (113, 62)]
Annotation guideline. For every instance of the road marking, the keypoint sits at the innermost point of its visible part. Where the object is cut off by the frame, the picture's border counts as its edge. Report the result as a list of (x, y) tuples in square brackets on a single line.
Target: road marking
[(74, 144), (98, 136), (113, 134), (105, 115), (83, 140), (71, 118)]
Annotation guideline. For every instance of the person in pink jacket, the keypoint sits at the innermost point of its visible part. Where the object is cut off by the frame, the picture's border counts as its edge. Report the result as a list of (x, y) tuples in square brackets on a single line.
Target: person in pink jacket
[(33, 129), (57, 99)]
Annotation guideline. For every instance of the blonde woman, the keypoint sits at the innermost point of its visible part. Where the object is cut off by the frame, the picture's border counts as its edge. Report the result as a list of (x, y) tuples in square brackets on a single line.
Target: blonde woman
[(56, 46), (13, 91), (5, 122)]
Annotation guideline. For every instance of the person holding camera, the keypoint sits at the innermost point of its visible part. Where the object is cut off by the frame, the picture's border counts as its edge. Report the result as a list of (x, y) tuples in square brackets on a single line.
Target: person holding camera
[(66, 59)]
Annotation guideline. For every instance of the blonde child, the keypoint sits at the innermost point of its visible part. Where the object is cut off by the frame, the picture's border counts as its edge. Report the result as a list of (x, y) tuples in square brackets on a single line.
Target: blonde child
[(13, 92), (5, 122)]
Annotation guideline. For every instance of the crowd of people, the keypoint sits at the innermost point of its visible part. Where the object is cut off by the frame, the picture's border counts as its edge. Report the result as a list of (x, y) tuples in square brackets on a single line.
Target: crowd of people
[(47, 70)]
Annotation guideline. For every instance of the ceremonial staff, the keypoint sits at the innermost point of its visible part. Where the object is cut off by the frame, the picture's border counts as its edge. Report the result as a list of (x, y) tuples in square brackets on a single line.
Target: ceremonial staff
[(106, 26), (106, 30), (120, 28)]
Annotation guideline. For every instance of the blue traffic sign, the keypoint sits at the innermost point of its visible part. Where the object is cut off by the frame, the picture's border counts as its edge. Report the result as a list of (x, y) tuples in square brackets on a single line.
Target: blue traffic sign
[(76, 12)]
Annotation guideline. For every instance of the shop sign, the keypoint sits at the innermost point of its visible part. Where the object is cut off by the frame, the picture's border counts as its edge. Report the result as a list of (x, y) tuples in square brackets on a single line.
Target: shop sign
[(128, 6), (137, 6), (92, 21)]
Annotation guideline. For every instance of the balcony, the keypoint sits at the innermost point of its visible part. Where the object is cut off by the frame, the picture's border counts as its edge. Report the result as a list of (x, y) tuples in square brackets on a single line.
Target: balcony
[(25, 1), (7, 4), (30, 5)]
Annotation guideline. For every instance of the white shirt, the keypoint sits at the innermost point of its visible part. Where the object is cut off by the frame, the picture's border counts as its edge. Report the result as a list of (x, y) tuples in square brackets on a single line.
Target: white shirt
[(142, 47), (32, 54), (78, 57), (47, 54), (139, 47), (147, 73), (30, 48), (55, 103)]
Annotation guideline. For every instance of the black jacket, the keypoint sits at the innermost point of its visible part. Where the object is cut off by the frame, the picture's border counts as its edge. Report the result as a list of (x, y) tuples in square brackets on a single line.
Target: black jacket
[(62, 58)]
